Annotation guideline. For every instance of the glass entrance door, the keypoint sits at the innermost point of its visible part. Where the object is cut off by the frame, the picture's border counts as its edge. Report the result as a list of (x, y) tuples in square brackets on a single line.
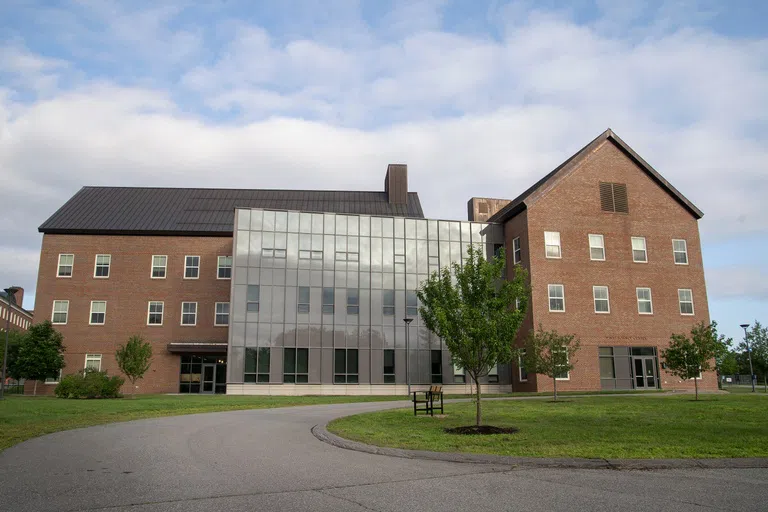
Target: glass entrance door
[(645, 372), (209, 377)]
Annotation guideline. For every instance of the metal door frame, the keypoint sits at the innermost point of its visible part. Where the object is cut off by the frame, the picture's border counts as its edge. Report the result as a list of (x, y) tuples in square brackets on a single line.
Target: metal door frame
[(212, 381), (647, 360)]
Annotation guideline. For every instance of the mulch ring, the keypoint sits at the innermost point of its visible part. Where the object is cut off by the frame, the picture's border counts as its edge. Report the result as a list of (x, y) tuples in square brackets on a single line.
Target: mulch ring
[(482, 430)]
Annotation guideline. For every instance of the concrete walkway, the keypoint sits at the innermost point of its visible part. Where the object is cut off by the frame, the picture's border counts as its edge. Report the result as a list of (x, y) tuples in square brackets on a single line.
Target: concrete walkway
[(269, 460)]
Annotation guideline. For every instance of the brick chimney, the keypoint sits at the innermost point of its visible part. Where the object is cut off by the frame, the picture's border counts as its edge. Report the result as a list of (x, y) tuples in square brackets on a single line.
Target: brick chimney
[(480, 209), (396, 183), (19, 296)]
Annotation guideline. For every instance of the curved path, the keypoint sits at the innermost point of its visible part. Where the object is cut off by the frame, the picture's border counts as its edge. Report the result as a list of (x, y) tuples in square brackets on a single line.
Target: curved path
[(269, 460)]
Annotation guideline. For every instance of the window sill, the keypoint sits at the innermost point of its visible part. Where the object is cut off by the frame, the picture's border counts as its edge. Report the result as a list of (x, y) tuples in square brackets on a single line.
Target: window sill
[(63, 277)]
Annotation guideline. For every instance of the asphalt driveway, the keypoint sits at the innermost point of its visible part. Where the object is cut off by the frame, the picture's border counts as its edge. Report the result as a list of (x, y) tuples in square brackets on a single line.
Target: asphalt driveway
[(269, 460)]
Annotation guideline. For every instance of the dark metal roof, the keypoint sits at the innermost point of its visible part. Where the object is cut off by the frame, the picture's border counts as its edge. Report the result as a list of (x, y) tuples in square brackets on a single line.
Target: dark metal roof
[(519, 203), (203, 211)]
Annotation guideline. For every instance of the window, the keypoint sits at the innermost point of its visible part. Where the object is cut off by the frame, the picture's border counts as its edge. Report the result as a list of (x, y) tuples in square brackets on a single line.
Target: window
[(256, 365), (155, 313), (552, 243), (493, 375), (639, 254), (159, 266), (522, 372), (60, 312), (303, 303), (345, 366), (644, 302), (516, 251), (310, 255), (561, 361), (98, 312), (101, 269), (388, 302), (411, 304), (93, 362), (252, 298), (188, 313), (607, 368), (600, 295), (191, 267), (458, 374), (66, 262), (54, 380), (353, 301), (436, 366), (328, 301), (680, 251), (685, 297), (389, 366), (222, 314), (269, 253), (224, 267), (596, 248), (296, 365), (613, 197), (556, 297)]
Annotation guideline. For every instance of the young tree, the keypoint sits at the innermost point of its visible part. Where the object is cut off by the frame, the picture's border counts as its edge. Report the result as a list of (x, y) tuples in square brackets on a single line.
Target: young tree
[(728, 364), (472, 308), (758, 345), (134, 359), (690, 357), (550, 354), (40, 354)]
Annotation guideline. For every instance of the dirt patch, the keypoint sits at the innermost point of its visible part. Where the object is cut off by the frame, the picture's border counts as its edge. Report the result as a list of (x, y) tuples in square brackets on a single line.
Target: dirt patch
[(482, 430)]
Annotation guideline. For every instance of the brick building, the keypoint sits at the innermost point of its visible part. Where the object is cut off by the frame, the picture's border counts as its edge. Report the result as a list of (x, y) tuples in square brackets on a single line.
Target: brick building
[(12, 313), (304, 292)]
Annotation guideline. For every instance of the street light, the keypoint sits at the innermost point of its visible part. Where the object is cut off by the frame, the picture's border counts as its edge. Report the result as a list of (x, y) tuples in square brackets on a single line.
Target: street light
[(407, 353), (749, 353), (11, 300)]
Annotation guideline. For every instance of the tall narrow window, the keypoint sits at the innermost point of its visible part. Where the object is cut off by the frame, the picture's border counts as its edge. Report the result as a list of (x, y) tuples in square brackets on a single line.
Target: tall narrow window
[(562, 361), (101, 268), (345, 366), (596, 248), (411, 304), (388, 302), (155, 313), (522, 372), (66, 262), (600, 295), (493, 375), (252, 298), (93, 362), (639, 252), (436, 366), (296, 365), (98, 312), (680, 252), (389, 366), (222, 314), (159, 266), (517, 252), (189, 313), (644, 301), (329, 297), (353, 301), (60, 312), (552, 243), (191, 267), (685, 298), (556, 297), (613, 198), (302, 305), (224, 267), (458, 374), (256, 365)]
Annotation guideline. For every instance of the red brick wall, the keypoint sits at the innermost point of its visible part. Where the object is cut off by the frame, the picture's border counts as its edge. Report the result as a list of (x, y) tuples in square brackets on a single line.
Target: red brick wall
[(572, 207), (127, 292)]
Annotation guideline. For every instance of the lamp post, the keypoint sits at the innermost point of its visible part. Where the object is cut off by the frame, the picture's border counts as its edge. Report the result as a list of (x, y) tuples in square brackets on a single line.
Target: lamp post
[(11, 300), (749, 353), (407, 353)]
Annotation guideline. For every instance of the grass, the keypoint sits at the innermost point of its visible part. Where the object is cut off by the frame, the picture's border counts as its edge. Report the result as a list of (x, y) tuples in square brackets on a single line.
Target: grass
[(591, 427)]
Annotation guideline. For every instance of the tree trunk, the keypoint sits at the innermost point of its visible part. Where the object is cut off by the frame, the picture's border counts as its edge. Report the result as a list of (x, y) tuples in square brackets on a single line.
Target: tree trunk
[(696, 387), (34, 390), (479, 418), (133, 389), (554, 380)]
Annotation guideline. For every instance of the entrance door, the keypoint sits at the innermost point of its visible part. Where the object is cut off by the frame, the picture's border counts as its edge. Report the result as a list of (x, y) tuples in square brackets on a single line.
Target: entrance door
[(209, 377), (645, 372)]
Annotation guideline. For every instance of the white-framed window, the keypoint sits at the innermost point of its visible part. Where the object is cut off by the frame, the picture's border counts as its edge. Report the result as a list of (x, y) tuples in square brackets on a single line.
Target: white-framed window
[(639, 252), (644, 301), (459, 377), (552, 244), (159, 266), (55, 380), (493, 374), (556, 297), (98, 312), (155, 312), (685, 298), (564, 375), (60, 312), (680, 251), (517, 252), (66, 264), (93, 362), (602, 302), (224, 267), (522, 373), (191, 267), (189, 313), (222, 314), (596, 248), (101, 266)]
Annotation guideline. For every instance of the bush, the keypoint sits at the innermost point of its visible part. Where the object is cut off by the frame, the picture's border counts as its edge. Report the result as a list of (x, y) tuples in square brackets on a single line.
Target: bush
[(89, 384)]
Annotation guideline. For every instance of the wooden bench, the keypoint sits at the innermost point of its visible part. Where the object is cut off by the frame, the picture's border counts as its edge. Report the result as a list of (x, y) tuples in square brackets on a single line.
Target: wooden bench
[(428, 400)]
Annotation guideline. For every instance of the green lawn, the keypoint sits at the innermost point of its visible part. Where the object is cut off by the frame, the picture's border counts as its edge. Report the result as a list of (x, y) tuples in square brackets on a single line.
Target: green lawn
[(592, 427)]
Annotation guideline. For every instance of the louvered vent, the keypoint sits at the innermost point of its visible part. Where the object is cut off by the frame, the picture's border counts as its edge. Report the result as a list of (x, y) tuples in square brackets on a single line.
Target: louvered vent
[(606, 197), (613, 198)]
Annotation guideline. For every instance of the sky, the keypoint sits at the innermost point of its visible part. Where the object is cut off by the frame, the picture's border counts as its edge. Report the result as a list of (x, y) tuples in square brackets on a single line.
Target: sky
[(479, 98)]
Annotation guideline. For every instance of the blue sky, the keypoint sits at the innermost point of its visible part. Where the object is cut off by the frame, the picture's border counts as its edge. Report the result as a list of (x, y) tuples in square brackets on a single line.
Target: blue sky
[(481, 97)]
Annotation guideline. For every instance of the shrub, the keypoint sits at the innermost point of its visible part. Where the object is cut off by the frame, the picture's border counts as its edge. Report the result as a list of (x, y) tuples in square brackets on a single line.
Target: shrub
[(89, 384)]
